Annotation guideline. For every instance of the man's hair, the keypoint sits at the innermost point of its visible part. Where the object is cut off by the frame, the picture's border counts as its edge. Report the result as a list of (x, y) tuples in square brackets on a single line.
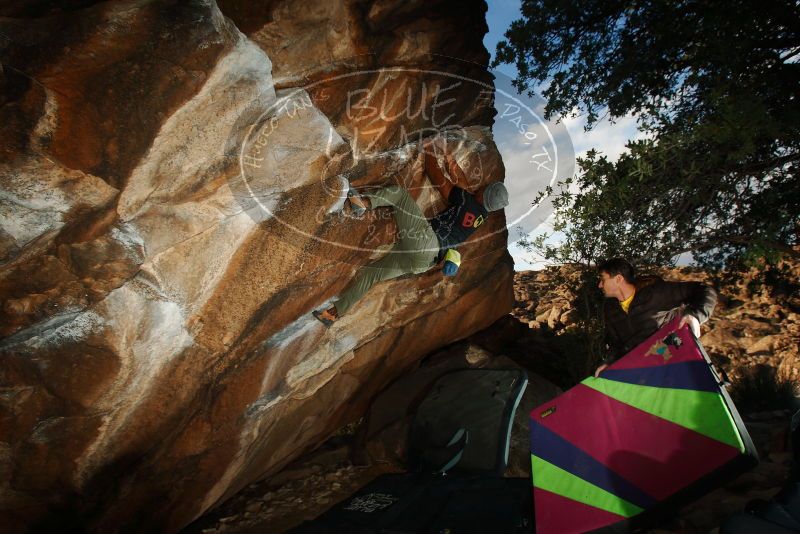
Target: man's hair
[(615, 266)]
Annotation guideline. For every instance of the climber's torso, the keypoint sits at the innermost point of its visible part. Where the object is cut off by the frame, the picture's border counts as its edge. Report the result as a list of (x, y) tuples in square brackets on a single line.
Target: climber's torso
[(458, 222)]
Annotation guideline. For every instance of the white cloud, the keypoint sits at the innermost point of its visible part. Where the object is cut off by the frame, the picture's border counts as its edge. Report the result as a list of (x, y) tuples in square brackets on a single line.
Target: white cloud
[(605, 137)]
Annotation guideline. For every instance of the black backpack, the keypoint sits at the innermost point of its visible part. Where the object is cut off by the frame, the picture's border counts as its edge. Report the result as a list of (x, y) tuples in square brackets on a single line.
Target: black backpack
[(458, 450)]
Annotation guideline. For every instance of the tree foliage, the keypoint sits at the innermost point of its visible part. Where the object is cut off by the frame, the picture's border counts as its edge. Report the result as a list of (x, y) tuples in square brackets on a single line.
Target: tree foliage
[(715, 88)]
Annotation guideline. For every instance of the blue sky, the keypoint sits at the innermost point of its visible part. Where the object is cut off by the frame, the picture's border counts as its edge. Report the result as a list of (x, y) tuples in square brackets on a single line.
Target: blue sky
[(605, 137)]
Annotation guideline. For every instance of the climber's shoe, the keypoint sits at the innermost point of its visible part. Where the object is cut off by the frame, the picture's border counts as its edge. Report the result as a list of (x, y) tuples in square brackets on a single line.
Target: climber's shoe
[(327, 317), (355, 205)]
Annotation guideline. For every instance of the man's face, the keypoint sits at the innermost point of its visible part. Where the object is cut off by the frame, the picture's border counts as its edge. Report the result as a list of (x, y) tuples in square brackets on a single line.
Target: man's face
[(609, 284)]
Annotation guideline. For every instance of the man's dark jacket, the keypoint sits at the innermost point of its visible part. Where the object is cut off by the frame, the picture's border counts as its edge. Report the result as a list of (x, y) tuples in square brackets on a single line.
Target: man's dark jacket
[(655, 303)]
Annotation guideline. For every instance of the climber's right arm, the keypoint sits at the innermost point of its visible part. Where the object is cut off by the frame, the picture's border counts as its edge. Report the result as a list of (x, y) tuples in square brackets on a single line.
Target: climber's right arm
[(437, 177)]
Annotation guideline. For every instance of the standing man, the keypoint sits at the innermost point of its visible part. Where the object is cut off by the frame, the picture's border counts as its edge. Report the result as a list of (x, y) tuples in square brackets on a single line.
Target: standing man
[(637, 307), (422, 243)]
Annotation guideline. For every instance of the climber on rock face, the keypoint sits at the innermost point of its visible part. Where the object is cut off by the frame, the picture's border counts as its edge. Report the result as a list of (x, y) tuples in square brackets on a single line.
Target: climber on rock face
[(422, 243)]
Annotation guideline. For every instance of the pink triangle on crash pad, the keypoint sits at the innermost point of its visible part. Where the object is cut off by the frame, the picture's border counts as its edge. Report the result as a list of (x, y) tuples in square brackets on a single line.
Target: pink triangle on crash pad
[(559, 515), (653, 351)]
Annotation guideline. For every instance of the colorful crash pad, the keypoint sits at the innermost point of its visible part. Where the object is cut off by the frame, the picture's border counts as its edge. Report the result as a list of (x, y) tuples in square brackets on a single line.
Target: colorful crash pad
[(655, 429)]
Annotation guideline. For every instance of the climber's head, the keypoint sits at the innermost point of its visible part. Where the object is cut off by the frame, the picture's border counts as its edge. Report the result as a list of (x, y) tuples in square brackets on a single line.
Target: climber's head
[(493, 197)]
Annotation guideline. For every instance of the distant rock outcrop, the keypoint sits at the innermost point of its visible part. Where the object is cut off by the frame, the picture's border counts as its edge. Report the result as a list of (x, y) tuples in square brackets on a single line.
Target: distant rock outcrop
[(170, 175), (754, 329)]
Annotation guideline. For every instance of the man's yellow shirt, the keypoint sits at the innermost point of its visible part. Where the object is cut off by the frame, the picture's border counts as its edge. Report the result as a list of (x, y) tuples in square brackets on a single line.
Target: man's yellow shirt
[(627, 302)]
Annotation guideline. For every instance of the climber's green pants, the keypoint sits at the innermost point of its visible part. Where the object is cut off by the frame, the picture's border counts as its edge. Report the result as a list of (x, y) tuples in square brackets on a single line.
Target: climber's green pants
[(415, 251)]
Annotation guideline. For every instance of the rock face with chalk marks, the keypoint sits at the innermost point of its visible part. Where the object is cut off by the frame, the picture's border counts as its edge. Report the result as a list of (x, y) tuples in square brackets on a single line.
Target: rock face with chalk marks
[(171, 174)]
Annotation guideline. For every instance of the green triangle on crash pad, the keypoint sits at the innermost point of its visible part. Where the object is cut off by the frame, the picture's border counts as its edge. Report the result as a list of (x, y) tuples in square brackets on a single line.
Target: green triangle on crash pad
[(701, 411), (552, 478)]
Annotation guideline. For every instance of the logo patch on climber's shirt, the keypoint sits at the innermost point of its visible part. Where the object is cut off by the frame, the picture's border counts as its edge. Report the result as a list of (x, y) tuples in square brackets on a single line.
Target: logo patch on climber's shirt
[(471, 221)]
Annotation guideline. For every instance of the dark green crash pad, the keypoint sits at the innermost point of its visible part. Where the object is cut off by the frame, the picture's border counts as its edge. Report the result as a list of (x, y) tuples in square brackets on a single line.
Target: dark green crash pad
[(458, 450)]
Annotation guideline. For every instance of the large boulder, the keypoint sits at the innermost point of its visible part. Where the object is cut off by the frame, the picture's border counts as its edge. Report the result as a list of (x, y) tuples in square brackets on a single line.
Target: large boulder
[(171, 174)]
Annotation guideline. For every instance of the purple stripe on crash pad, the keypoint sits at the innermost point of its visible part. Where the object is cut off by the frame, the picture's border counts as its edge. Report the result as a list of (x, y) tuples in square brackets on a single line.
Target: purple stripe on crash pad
[(551, 447), (684, 375)]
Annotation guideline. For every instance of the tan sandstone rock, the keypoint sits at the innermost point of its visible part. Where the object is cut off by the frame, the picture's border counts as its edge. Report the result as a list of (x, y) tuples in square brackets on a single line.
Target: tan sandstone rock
[(171, 177)]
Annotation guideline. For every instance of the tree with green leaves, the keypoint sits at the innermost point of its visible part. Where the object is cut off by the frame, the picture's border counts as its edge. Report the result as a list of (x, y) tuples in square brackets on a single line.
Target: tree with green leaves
[(714, 86)]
